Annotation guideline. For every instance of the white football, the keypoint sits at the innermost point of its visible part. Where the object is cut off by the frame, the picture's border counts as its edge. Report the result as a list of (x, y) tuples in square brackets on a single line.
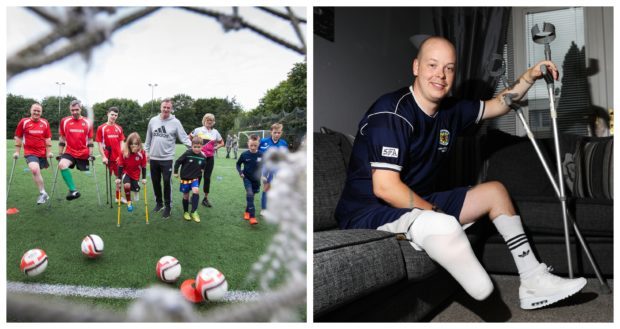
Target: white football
[(211, 284), (168, 269), (34, 262), (92, 246)]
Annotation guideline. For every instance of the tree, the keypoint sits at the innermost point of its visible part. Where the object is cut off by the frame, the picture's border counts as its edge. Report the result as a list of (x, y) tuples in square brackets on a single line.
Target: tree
[(184, 110), (225, 111), (17, 107), (130, 115), (288, 95)]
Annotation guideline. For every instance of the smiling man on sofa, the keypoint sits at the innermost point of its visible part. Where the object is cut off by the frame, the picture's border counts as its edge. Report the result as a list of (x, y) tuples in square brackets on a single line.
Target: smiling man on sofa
[(400, 144)]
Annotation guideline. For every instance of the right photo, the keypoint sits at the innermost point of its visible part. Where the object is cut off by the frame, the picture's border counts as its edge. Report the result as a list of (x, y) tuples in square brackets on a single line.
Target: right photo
[(463, 164)]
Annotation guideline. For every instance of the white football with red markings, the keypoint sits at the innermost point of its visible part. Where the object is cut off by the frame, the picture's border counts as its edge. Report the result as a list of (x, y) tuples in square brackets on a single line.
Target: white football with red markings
[(92, 246), (34, 262), (168, 269), (211, 284)]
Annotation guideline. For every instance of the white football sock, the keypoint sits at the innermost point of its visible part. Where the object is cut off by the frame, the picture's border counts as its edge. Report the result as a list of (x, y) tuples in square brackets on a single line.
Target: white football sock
[(511, 229)]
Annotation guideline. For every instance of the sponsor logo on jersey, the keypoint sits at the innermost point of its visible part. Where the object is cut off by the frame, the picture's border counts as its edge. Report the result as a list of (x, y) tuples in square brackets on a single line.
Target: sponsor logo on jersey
[(76, 130), (33, 132), (390, 152)]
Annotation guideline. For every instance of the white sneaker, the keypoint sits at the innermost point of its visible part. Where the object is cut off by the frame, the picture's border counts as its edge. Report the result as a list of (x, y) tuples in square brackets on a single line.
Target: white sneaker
[(123, 200), (542, 288), (42, 198)]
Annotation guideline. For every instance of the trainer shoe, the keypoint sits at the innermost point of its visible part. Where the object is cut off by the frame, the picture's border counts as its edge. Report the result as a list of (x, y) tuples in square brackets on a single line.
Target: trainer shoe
[(158, 208), (195, 217), (129, 206), (166, 213), (246, 215), (73, 195), (253, 221), (542, 288), (186, 216), (206, 203), (43, 197)]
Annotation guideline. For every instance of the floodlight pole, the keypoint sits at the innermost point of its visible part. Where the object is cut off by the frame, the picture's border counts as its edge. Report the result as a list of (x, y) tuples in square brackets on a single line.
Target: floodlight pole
[(59, 83), (152, 85)]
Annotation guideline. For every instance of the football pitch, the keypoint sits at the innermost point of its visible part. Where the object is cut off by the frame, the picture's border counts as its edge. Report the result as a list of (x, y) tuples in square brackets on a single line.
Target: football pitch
[(222, 239)]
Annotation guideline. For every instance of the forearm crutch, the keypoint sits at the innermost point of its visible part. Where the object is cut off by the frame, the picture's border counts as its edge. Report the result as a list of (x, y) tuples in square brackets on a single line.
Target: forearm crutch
[(92, 162), (118, 214), (110, 188), (8, 188), (559, 192), (107, 186), (146, 206), (54, 184)]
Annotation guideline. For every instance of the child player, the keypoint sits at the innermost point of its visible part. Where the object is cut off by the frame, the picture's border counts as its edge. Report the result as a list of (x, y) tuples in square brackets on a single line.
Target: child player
[(192, 164), (251, 161), (131, 162)]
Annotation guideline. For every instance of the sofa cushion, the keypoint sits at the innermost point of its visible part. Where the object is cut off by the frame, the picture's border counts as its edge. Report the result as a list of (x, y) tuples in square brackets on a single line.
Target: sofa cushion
[(349, 264), (594, 168), (330, 173), (543, 215)]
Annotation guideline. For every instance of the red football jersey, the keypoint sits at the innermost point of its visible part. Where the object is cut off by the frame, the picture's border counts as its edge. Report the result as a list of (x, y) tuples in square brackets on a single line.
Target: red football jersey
[(132, 164), (33, 135), (110, 136), (76, 133)]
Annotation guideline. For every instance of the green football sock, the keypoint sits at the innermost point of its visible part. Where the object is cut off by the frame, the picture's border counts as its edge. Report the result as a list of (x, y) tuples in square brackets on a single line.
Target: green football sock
[(66, 175)]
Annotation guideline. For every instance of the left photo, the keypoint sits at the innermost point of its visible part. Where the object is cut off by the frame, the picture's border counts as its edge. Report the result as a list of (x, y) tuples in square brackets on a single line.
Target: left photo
[(156, 164)]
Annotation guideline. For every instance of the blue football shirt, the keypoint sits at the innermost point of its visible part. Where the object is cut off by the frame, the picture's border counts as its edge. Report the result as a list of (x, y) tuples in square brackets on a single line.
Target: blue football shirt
[(395, 134)]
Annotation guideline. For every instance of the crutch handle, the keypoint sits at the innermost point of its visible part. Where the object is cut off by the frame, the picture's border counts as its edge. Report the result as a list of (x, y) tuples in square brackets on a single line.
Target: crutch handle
[(508, 99), (546, 74)]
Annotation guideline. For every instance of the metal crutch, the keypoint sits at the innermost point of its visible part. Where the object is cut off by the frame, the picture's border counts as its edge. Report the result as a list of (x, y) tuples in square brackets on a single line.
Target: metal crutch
[(8, 188), (107, 185), (54, 185), (508, 100), (92, 162), (545, 37), (146, 207)]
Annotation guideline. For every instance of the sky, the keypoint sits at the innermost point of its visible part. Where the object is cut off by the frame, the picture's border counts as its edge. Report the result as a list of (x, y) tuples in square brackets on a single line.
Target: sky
[(180, 51)]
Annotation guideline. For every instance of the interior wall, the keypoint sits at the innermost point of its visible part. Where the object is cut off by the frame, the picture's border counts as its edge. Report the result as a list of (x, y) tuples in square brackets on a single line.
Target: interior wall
[(371, 55)]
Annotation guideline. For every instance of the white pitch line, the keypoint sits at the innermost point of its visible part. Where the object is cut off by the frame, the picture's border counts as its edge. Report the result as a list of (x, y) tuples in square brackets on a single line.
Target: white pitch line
[(100, 292)]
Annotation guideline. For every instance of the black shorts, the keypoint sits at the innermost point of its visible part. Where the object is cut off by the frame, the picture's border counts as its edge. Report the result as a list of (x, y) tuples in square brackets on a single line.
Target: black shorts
[(42, 161), (82, 164), (134, 183)]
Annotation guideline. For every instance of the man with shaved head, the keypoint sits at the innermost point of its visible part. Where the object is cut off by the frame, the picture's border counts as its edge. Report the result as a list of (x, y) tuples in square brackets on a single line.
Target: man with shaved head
[(401, 142)]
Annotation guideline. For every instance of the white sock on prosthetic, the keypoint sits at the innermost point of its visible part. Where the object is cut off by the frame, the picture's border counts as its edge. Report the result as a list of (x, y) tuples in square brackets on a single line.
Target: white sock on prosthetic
[(442, 237), (511, 229)]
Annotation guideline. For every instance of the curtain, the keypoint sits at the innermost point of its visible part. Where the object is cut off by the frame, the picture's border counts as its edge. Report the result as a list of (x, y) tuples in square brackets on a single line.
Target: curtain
[(479, 35)]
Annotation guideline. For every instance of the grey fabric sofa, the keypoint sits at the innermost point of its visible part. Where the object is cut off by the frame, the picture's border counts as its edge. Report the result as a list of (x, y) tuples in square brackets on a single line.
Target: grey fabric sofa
[(365, 275), (368, 275), (588, 171)]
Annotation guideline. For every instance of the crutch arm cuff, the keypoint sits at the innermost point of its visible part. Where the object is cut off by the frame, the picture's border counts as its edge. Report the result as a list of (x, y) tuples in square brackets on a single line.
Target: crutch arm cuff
[(120, 171), (143, 173)]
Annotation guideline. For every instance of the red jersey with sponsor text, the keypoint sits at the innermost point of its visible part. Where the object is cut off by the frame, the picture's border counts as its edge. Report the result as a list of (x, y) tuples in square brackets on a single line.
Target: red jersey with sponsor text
[(132, 164), (76, 133), (33, 135), (111, 137)]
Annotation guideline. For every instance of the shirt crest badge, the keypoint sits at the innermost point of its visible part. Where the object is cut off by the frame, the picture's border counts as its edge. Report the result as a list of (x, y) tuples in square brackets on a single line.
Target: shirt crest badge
[(444, 137)]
